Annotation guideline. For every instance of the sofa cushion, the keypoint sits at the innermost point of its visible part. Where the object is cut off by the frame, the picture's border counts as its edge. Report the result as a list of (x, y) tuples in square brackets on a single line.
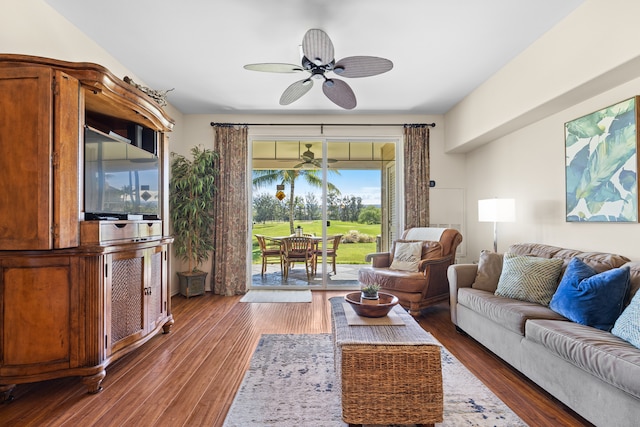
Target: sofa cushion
[(534, 249), (489, 268), (529, 278), (590, 298), (406, 256), (393, 279), (599, 261), (627, 326), (600, 353), (507, 312)]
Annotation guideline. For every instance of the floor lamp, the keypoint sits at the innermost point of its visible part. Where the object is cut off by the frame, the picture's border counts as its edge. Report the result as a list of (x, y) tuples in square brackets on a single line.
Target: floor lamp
[(496, 210)]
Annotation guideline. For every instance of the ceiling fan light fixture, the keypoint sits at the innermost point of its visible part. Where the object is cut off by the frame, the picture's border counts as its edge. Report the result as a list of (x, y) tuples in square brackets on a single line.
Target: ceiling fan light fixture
[(308, 166)]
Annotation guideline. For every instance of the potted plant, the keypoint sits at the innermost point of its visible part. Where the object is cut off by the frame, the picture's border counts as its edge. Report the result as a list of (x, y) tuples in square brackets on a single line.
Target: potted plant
[(191, 199), (369, 294)]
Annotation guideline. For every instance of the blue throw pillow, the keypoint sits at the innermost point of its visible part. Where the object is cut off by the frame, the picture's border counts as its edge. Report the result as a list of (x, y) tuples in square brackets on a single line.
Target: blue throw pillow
[(590, 298), (627, 326)]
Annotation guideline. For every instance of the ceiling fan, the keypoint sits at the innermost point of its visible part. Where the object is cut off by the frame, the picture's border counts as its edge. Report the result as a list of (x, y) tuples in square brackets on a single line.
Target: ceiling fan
[(318, 59), (309, 160)]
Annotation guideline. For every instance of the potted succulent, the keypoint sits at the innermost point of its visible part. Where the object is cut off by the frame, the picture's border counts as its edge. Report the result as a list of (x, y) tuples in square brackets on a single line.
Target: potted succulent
[(191, 199), (369, 294)]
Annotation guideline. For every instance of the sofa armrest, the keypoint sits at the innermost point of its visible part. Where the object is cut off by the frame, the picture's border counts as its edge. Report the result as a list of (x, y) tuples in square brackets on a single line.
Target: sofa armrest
[(378, 259), (460, 276)]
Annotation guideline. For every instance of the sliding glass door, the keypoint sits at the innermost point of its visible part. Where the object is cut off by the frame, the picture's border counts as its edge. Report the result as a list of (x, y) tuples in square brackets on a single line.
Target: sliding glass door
[(334, 192)]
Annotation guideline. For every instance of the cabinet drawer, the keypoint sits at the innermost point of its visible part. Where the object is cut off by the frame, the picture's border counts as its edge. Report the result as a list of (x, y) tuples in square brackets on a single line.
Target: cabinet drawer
[(118, 231), (150, 229), (112, 231)]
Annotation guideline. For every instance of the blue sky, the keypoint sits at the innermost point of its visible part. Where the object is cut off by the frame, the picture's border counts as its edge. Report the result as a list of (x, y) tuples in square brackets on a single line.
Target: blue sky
[(360, 183)]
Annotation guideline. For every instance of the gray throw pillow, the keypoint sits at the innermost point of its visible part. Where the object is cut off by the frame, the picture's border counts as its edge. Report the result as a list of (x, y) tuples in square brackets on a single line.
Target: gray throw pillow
[(529, 278)]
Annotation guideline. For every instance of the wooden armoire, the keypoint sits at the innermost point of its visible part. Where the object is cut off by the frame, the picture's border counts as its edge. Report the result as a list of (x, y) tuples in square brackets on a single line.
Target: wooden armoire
[(75, 293)]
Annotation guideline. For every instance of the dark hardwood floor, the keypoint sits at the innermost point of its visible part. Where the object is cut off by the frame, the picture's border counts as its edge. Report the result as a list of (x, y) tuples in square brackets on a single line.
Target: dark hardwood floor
[(189, 377)]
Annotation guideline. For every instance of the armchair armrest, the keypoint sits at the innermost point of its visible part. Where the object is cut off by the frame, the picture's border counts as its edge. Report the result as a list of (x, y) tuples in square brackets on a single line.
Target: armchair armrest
[(460, 276), (378, 259), (424, 263)]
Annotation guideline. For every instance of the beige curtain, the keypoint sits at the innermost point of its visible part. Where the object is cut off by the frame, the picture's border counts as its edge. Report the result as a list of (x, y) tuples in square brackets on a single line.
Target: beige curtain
[(416, 175), (229, 267)]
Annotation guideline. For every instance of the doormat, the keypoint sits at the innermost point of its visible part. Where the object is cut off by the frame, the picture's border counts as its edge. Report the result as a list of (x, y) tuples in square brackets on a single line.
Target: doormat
[(291, 382), (263, 295)]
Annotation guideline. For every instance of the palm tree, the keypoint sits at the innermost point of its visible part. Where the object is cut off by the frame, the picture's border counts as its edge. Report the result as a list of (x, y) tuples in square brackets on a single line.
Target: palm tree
[(263, 178)]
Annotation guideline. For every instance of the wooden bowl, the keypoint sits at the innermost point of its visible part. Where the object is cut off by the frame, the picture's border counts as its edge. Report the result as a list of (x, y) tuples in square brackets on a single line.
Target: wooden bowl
[(381, 309)]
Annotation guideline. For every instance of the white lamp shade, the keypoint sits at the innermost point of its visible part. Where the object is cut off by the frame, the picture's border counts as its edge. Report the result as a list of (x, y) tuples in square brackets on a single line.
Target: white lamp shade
[(497, 210)]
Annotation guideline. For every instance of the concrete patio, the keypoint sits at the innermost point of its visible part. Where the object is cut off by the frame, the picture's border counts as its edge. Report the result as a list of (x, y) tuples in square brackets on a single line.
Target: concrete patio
[(346, 277)]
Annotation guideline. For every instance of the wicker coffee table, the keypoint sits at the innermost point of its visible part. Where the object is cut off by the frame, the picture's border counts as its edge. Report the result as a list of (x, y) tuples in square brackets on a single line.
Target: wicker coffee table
[(386, 373)]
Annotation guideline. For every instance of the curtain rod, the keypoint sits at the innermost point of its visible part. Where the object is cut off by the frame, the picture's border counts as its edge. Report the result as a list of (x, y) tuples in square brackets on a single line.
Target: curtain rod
[(322, 125)]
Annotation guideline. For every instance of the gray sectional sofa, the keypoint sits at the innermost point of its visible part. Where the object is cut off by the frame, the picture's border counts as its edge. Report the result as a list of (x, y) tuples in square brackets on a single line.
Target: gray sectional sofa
[(590, 370)]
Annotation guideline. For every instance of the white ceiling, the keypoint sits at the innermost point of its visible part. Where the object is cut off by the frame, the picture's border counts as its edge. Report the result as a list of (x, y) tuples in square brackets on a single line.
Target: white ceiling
[(441, 49)]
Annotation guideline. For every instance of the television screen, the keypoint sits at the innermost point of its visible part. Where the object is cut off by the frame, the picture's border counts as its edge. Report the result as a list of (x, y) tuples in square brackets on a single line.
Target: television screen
[(120, 179)]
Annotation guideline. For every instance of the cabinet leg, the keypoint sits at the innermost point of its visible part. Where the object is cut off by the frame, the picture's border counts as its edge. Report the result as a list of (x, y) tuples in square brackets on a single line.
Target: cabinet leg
[(166, 328), (6, 392), (93, 382)]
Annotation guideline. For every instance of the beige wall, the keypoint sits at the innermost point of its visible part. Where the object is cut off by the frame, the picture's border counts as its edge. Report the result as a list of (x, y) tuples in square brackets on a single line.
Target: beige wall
[(589, 61), (594, 49), (32, 27)]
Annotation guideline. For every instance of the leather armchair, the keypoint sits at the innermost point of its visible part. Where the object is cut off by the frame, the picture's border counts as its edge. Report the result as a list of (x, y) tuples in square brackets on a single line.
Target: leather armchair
[(416, 289)]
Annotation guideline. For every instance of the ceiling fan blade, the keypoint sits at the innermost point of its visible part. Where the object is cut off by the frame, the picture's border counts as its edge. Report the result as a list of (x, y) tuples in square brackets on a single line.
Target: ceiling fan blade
[(274, 68), (317, 47), (362, 66), (295, 91), (331, 160), (339, 93)]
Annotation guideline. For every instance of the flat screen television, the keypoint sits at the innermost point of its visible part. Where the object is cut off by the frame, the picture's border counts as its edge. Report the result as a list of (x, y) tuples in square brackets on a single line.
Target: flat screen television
[(121, 180)]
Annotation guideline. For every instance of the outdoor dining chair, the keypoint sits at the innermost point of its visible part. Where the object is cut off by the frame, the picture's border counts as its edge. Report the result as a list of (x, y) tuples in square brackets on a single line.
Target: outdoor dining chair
[(298, 249), (270, 251), (332, 252)]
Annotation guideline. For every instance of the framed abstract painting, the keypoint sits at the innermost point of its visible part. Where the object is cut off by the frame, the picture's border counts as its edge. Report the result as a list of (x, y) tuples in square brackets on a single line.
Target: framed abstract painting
[(602, 165)]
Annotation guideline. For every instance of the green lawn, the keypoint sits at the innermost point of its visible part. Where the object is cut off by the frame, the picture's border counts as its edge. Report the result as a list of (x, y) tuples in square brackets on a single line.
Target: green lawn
[(348, 253)]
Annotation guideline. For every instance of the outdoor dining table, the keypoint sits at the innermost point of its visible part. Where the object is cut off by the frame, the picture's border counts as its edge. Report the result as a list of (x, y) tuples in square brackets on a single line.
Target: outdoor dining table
[(315, 240)]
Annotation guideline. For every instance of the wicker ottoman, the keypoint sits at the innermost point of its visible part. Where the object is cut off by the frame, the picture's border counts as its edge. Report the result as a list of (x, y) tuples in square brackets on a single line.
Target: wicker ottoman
[(386, 374)]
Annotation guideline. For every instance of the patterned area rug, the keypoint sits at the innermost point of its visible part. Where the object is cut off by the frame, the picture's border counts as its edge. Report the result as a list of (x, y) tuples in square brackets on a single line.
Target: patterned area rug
[(291, 383)]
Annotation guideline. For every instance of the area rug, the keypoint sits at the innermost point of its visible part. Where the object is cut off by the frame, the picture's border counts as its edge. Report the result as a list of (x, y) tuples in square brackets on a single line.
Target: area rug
[(263, 295), (290, 382)]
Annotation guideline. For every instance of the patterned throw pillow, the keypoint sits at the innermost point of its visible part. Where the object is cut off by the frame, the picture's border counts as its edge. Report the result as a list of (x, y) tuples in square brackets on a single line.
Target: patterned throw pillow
[(627, 326), (590, 298), (489, 269), (407, 256), (529, 278)]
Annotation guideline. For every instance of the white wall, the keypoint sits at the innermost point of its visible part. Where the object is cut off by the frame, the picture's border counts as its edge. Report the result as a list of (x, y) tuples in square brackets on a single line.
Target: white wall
[(589, 61)]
